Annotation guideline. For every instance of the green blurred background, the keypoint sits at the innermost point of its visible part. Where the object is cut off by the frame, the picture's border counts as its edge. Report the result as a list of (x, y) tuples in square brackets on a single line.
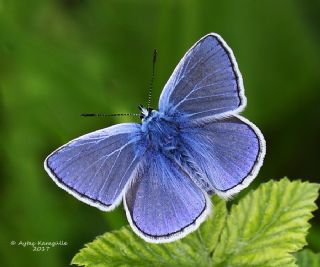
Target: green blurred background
[(59, 59)]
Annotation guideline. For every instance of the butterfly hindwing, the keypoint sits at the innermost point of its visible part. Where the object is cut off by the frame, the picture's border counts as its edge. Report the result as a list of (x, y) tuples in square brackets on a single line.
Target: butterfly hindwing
[(206, 82), (96, 167), (162, 202), (229, 152)]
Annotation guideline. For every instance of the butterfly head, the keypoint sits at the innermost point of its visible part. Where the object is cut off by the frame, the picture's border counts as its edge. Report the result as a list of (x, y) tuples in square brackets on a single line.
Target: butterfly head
[(145, 112)]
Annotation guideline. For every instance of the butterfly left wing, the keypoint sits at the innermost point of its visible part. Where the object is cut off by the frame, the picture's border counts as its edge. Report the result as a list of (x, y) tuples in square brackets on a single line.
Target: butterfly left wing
[(229, 152), (206, 82), (96, 167), (162, 203)]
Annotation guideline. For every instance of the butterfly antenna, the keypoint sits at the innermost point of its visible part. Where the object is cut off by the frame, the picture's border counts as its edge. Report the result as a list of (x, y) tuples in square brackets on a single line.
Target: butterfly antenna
[(154, 59), (108, 115)]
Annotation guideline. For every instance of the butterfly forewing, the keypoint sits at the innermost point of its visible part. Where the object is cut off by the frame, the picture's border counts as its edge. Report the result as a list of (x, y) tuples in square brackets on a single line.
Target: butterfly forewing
[(96, 167), (205, 83)]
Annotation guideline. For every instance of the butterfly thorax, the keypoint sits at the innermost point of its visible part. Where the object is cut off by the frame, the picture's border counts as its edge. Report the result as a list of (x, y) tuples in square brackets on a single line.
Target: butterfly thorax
[(160, 133)]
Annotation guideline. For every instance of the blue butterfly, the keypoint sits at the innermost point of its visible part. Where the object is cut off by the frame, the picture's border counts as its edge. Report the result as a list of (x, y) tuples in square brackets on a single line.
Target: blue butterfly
[(165, 168)]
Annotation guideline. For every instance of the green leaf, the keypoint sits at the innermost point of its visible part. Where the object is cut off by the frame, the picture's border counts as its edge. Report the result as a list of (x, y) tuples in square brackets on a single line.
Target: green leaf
[(125, 248), (267, 225), (262, 230), (210, 230), (307, 258)]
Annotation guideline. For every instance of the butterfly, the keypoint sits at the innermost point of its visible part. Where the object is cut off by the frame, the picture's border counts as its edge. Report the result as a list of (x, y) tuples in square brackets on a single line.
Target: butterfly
[(165, 168)]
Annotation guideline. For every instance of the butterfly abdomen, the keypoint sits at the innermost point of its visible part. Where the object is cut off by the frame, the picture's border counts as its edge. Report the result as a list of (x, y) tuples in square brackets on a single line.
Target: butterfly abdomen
[(184, 161)]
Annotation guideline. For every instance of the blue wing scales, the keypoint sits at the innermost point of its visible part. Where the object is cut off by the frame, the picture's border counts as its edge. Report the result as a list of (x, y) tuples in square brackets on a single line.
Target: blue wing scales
[(162, 202), (96, 167), (229, 152), (206, 82)]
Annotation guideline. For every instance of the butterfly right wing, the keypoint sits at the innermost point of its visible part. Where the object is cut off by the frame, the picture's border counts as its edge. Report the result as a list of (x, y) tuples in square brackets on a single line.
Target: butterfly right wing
[(96, 167), (205, 83)]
